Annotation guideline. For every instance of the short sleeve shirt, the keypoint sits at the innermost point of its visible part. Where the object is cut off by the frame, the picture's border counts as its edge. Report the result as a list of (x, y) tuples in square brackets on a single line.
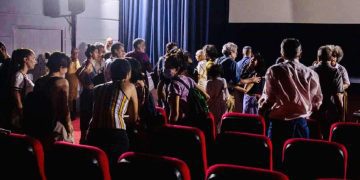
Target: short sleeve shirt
[(177, 88), (22, 81)]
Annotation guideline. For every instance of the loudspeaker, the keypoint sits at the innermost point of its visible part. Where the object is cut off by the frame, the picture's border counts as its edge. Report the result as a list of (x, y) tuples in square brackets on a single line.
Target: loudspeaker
[(76, 6), (58, 8), (51, 8)]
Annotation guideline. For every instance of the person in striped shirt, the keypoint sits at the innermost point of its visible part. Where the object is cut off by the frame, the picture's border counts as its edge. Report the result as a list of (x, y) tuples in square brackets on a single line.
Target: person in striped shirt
[(111, 101)]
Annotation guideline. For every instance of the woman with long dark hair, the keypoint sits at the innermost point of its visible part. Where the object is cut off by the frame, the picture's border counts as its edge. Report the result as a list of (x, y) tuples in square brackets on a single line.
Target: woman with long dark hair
[(19, 85)]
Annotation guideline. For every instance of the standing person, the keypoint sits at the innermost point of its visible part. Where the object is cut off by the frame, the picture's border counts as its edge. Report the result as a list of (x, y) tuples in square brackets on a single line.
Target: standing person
[(256, 67), (4, 79), (175, 69), (287, 108), (73, 81), (216, 88), (240, 66), (332, 87), (101, 49), (139, 53), (4, 56), (99, 64), (247, 55), (228, 64), (20, 85), (302, 95), (160, 65), (47, 114), (111, 101), (338, 53), (211, 54), (86, 74), (109, 42), (145, 101), (117, 52), (40, 68), (201, 68), (159, 75)]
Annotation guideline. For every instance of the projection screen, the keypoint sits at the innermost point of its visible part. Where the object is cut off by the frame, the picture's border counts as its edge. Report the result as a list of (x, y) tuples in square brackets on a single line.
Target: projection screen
[(295, 11)]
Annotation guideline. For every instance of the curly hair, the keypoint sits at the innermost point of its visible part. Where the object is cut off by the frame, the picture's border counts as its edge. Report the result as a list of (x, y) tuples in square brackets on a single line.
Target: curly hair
[(336, 51)]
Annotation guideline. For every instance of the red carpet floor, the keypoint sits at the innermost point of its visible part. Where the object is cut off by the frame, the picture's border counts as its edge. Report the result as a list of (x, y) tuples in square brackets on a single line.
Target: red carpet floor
[(77, 133)]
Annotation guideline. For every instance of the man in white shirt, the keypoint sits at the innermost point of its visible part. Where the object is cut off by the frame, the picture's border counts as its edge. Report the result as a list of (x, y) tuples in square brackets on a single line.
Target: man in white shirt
[(291, 93)]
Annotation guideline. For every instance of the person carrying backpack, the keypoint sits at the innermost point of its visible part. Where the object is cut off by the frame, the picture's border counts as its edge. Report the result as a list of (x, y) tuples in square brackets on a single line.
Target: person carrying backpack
[(186, 99)]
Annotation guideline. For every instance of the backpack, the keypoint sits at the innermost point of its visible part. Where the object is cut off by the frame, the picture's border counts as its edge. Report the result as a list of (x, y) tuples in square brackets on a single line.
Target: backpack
[(196, 102)]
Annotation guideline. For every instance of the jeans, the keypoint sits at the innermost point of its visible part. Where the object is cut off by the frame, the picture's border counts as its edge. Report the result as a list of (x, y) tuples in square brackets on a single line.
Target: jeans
[(280, 130), (296, 128)]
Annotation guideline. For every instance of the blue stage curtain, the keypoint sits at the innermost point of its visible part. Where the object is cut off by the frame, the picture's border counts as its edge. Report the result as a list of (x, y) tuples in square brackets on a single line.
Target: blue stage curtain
[(185, 22)]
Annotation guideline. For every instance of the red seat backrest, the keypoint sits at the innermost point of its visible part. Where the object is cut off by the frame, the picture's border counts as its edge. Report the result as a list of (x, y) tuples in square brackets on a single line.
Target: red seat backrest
[(310, 159), (66, 160), (185, 143), (243, 149), (348, 134), (21, 156), (227, 171), (248, 123), (133, 165)]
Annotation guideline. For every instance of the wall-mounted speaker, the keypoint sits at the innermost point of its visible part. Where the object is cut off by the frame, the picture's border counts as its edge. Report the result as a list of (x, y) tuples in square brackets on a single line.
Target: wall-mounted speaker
[(76, 6), (51, 8), (59, 8)]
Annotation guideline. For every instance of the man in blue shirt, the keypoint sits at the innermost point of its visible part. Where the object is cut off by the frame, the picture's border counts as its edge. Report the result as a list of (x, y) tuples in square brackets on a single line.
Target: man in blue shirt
[(228, 64), (247, 54)]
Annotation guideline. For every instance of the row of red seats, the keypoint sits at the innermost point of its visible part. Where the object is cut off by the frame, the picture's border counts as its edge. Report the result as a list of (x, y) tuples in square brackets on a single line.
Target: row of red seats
[(238, 144), (23, 156), (323, 159)]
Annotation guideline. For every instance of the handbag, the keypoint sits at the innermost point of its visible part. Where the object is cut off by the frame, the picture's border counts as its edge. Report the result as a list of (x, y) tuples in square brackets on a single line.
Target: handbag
[(61, 134)]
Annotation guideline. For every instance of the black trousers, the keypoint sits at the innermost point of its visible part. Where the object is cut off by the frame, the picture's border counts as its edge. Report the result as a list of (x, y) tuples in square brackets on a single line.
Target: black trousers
[(113, 141), (86, 109)]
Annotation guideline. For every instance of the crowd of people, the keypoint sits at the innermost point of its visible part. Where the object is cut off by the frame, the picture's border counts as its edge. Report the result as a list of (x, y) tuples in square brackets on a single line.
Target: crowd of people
[(116, 90)]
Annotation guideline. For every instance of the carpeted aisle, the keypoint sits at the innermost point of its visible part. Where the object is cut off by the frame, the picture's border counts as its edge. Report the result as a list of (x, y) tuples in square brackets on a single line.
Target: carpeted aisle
[(77, 133)]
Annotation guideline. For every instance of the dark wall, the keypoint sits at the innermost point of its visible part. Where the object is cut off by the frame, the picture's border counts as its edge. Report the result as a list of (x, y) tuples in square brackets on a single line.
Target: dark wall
[(266, 37)]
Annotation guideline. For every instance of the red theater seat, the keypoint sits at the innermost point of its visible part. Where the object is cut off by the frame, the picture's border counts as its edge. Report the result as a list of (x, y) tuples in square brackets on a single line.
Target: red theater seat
[(67, 160), (162, 112), (21, 157), (248, 123), (230, 172), (243, 149), (207, 126), (133, 165), (185, 143), (348, 134), (311, 159)]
